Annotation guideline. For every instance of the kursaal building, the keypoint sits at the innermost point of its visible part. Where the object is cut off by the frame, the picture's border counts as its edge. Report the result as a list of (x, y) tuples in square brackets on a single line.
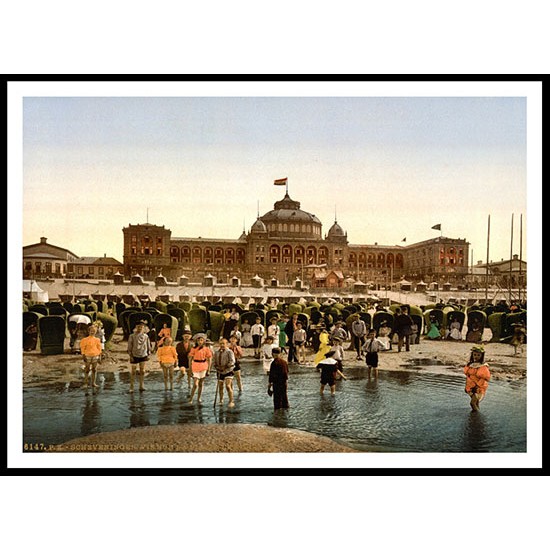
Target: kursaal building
[(285, 244)]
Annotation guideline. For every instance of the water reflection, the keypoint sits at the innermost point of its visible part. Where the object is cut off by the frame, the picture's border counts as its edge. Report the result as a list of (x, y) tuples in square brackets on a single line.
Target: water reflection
[(167, 413), (474, 432), (139, 415), (91, 414)]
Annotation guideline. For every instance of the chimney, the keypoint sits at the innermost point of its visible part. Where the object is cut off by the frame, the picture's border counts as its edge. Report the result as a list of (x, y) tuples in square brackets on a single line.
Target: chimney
[(104, 255), (43, 240), (515, 257)]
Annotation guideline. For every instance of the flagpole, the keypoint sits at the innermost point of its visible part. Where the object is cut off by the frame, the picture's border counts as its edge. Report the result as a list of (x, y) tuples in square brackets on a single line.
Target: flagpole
[(510, 270), (520, 254), (487, 263)]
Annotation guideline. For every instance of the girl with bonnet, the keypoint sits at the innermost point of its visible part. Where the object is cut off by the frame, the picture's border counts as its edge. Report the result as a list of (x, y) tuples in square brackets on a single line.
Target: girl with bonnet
[(477, 376)]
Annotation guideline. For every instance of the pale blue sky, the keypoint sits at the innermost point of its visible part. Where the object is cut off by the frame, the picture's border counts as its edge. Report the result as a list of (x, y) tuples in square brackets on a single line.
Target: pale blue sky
[(391, 166)]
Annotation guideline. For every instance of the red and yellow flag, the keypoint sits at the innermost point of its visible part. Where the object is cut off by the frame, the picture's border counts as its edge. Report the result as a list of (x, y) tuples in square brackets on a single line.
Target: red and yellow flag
[(281, 181)]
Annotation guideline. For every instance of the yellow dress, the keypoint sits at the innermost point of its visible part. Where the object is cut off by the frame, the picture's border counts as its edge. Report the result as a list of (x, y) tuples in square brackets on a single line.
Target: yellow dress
[(324, 347)]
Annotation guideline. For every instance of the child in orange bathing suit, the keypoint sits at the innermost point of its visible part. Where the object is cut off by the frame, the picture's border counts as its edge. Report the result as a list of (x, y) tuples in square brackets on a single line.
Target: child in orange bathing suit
[(168, 358), (477, 377)]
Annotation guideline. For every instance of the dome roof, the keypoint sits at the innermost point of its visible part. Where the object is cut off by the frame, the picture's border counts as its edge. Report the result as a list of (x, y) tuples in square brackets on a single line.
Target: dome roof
[(336, 231), (258, 227), (289, 210)]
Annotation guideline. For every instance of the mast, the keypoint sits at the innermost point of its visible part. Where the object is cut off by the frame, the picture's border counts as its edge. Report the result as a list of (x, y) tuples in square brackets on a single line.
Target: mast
[(487, 263), (511, 256), (520, 254)]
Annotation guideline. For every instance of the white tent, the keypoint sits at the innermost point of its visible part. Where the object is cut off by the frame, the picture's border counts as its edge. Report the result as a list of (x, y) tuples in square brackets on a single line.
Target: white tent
[(34, 292)]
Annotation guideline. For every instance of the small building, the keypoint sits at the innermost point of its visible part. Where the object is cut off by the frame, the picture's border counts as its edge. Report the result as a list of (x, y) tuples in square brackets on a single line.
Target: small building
[(91, 267)]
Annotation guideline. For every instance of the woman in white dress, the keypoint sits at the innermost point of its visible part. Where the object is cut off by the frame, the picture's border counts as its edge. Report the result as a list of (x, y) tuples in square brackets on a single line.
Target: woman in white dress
[(246, 338)]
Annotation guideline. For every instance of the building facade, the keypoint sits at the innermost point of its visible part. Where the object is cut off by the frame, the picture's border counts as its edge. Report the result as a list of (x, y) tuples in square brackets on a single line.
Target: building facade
[(91, 267), (42, 260), (286, 244)]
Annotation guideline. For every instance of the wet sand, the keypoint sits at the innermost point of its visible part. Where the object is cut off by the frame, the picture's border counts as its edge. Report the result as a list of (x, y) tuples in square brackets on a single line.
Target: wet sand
[(436, 357)]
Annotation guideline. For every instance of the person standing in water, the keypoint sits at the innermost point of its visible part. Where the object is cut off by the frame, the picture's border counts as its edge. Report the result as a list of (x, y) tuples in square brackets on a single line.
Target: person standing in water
[(90, 348), (278, 380), (168, 359), (139, 349), (224, 363), (182, 349), (201, 357), (477, 376), (238, 353), (329, 369), (371, 348)]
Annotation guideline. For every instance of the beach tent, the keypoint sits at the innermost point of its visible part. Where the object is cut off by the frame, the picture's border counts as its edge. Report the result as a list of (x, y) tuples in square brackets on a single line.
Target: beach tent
[(32, 291), (404, 284)]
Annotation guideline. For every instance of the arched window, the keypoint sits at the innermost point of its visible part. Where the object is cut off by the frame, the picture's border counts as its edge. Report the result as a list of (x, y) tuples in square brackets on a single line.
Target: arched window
[(381, 260), (197, 255), (311, 255), (399, 261), (390, 260), (352, 259), (174, 253), (287, 254), (371, 260), (299, 253), (241, 254), (323, 255)]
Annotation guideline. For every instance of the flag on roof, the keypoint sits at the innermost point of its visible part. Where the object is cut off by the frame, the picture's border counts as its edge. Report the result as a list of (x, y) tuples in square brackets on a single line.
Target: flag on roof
[(438, 227), (282, 181), (404, 240)]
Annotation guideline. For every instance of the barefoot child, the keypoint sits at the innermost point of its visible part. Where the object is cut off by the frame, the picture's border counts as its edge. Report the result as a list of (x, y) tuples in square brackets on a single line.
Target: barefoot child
[(139, 349), (477, 377), (371, 348), (224, 363), (257, 331), (299, 338), (238, 353), (90, 349), (168, 359), (182, 349), (329, 369), (201, 358)]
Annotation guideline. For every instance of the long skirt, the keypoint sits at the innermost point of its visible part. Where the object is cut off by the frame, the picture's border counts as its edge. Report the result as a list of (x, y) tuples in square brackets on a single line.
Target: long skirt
[(280, 398)]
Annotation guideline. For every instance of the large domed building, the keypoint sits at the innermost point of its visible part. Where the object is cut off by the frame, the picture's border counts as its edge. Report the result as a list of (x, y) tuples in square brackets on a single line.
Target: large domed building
[(284, 244)]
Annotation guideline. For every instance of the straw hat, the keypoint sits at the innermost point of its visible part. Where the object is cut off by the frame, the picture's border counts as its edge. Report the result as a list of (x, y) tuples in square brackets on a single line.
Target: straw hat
[(478, 348)]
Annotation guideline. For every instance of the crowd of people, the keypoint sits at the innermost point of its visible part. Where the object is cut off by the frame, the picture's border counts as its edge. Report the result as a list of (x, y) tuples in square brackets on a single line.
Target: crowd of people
[(284, 342)]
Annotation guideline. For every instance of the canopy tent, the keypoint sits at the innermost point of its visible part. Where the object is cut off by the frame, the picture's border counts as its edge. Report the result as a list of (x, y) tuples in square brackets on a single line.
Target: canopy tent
[(32, 291)]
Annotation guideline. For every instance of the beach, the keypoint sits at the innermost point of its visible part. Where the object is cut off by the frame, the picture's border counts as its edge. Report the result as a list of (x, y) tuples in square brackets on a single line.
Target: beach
[(436, 357)]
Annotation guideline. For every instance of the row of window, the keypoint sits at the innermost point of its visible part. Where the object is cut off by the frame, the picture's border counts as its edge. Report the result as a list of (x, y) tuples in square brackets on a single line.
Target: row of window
[(294, 228), (375, 260), (48, 267), (146, 251), (39, 269)]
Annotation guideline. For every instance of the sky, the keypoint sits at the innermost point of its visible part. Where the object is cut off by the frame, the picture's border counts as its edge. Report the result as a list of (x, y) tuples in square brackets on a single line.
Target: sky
[(387, 168)]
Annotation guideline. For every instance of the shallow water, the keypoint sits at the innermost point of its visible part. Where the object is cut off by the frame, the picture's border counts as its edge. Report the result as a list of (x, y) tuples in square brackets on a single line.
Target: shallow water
[(400, 412)]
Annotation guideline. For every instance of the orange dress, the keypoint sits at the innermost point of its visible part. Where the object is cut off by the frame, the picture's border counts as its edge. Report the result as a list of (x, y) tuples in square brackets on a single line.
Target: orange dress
[(164, 333), (200, 357), (477, 376)]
